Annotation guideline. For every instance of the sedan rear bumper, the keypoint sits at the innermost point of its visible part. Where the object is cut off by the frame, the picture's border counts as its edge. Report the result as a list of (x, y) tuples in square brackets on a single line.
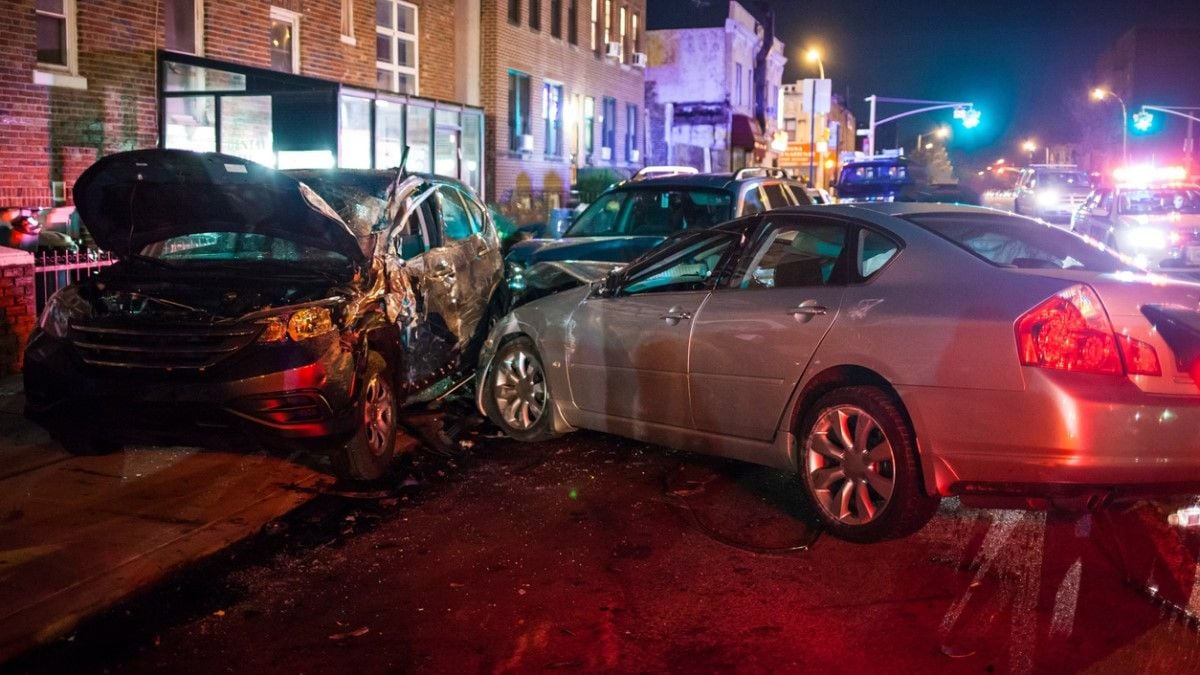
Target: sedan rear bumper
[(1065, 433)]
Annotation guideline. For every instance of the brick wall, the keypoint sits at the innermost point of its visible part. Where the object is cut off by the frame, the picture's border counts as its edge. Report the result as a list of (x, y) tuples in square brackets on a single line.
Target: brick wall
[(17, 312), (507, 46), (54, 133)]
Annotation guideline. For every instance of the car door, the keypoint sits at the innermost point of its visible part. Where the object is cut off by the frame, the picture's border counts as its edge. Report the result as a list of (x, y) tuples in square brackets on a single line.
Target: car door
[(755, 335), (627, 355), (482, 265)]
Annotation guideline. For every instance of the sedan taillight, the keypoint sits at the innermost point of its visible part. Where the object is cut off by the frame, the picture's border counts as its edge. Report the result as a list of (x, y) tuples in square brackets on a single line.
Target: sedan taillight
[(1071, 331)]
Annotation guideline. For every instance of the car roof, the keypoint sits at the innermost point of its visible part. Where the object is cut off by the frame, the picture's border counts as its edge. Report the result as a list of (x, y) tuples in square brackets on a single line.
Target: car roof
[(896, 209)]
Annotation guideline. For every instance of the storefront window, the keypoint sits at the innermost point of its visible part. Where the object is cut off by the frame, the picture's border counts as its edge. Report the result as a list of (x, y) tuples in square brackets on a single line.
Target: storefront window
[(420, 139), (472, 150), (191, 123), (246, 128), (445, 158), (354, 136), (389, 134)]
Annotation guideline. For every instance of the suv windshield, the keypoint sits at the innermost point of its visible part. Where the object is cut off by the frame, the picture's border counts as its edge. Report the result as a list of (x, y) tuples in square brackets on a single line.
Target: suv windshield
[(1011, 241), (1063, 179), (1160, 201), (652, 212)]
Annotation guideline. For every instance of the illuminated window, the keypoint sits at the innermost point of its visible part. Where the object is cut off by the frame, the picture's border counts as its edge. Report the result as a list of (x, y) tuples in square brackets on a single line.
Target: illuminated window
[(184, 21), (589, 126), (631, 132), (608, 124), (737, 87), (518, 111), (607, 22), (552, 114), (285, 40), (354, 142), (633, 32), (595, 25), (621, 31), (396, 53)]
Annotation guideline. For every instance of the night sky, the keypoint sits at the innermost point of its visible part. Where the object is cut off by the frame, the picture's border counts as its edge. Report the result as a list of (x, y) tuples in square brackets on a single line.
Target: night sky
[(1019, 62)]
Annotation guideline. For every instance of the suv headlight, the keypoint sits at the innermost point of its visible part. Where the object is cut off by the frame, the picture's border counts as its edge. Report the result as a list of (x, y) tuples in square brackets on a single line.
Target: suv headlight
[(1147, 238), (1047, 198), (300, 325), (63, 307)]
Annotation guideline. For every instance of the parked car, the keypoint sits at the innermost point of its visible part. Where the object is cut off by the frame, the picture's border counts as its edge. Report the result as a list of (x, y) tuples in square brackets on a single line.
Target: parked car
[(1157, 224), (245, 302), (891, 354), (1051, 192), (883, 178), (632, 217), (819, 195)]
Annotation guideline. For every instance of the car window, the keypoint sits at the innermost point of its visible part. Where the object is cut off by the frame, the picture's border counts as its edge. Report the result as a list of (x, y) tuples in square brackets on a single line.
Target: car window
[(456, 222), (1161, 201), (652, 212), (688, 268), (874, 251), (1066, 179), (1012, 241), (776, 196), (752, 202), (478, 221), (796, 253)]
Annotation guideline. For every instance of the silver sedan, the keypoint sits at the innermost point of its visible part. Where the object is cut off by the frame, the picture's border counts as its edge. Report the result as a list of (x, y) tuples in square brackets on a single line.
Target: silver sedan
[(890, 354)]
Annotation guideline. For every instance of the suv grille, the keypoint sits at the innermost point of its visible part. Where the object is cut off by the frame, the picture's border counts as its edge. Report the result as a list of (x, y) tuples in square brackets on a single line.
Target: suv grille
[(159, 348)]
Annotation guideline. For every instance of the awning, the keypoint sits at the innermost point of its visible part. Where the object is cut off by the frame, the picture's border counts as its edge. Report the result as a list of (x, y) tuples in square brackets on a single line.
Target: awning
[(747, 133)]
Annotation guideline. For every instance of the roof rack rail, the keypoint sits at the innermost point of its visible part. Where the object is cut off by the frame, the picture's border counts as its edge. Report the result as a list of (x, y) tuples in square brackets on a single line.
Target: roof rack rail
[(768, 171), (663, 171)]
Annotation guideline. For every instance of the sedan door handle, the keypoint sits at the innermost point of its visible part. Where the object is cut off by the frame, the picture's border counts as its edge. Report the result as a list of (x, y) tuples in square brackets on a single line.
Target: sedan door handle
[(442, 270), (808, 310)]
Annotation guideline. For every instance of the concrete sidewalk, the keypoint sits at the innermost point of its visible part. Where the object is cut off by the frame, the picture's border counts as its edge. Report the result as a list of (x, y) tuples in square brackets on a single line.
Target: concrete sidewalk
[(78, 534)]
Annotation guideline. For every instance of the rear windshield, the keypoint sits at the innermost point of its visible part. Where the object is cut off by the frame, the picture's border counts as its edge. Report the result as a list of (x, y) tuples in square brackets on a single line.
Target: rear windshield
[(652, 212), (1023, 243)]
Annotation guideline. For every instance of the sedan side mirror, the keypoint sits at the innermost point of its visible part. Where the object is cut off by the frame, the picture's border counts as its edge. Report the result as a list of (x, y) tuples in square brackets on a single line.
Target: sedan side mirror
[(611, 283)]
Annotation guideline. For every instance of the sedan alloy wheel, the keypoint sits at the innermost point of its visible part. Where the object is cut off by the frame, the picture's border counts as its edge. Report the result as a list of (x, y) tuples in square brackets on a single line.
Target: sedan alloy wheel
[(850, 464)]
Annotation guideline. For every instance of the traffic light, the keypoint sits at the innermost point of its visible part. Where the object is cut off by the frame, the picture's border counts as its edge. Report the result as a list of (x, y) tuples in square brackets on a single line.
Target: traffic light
[(1143, 121)]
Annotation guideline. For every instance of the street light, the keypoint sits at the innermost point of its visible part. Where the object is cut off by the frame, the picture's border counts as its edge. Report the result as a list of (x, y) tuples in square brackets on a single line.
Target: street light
[(1100, 94), (814, 54), (1029, 146)]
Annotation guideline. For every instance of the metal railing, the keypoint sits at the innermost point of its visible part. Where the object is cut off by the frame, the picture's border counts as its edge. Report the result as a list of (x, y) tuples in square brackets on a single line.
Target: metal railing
[(53, 270)]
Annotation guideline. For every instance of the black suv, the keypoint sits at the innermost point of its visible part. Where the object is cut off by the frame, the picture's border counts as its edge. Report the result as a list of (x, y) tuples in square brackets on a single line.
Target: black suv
[(632, 217)]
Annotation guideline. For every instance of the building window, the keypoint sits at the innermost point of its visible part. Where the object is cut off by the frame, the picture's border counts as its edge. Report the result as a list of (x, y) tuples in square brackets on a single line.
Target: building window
[(608, 124), (737, 87), (184, 20), (348, 22), (285, 40), (514, 12), (556, 18), (396, 49), (589, 126), (750, 86), (633, 32), (552, 114), (56, 33), (518, 111), (354, 132), (595, 25), (573, 21), (631, 132), (621, 32), (607, 23), (535, 14)]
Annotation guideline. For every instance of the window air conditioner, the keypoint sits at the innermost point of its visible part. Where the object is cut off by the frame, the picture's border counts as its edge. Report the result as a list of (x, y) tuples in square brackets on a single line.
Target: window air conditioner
[(639, 59), (605, 154), (613, 50), (527, 142), (635, 155)]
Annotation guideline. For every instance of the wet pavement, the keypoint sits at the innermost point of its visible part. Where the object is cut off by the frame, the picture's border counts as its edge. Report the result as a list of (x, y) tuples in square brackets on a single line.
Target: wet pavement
[(594, 553)]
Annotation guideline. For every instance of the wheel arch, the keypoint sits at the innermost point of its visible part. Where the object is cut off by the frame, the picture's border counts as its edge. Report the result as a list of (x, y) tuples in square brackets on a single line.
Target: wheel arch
[(850, 375)]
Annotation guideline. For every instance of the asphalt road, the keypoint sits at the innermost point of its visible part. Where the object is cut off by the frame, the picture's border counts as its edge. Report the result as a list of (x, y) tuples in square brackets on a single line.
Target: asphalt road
[(593, 553)]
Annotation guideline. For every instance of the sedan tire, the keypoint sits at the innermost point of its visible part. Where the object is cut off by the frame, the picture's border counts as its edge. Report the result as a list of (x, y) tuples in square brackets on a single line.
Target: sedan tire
[(517, 398), (859, 466), (368, 454)]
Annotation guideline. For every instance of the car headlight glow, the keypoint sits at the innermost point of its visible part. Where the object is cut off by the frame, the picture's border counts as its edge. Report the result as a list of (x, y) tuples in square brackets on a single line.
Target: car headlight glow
[(61, 308), (1048, 197), (301, 325), (1147, 238), (516, 276)]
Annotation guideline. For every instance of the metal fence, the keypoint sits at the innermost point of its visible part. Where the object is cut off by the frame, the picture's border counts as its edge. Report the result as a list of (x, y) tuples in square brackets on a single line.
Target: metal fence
[(54, 269)]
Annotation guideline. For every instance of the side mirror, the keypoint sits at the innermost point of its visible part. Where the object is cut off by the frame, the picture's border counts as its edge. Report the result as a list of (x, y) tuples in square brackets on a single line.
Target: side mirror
[(611, 283)]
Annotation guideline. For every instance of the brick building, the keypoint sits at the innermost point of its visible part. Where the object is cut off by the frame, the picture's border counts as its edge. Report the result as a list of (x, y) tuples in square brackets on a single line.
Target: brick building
[(712, 86), (562, 88), (285, 82)]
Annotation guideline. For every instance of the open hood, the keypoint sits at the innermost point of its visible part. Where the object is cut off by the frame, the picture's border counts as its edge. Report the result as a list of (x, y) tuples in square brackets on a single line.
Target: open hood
[(132, 199)]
